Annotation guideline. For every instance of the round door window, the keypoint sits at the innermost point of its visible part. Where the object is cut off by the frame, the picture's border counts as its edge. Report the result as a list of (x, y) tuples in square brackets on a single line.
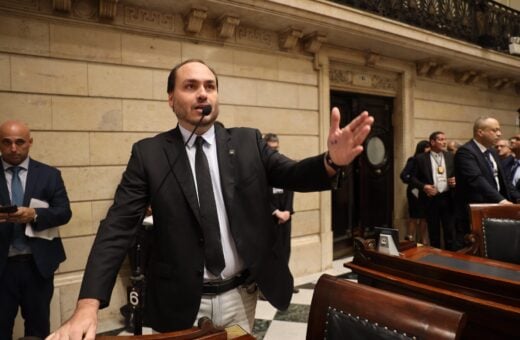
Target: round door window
[(376, 152)]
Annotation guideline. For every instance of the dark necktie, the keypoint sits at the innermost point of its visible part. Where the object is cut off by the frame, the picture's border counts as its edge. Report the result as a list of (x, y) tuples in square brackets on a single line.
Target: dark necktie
[(208, 211), (17, 199), (487, 156)]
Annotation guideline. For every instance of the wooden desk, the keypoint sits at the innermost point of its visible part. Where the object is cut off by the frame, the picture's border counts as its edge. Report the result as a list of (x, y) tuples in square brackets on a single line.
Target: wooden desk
[(487, 291)]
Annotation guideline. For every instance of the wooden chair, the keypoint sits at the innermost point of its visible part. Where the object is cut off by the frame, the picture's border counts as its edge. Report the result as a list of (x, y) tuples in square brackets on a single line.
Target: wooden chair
[(345, 310), (205, 331), (495, 232)]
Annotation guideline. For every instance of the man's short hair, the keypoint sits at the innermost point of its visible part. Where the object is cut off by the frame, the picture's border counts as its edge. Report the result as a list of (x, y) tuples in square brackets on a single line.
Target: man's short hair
[(480, 123), (270, 137), (434, 135), (173, 74)]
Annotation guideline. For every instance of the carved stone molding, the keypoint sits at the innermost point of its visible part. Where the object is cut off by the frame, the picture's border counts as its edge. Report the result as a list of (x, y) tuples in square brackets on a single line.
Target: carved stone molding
[(467, 77), (227, 26), (139, 17), (499, 83), (430, 68), (289, 38), (108, 8), (62, 5), (257, 37), (339, 76), (312, 42), (371, 58), (195, 19)]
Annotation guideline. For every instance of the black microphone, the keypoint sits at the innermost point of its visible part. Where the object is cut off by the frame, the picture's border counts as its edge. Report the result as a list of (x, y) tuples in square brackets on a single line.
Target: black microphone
[(206, 110)]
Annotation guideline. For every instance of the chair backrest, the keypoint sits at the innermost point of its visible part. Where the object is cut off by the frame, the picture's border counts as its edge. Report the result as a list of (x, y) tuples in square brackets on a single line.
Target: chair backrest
[(341, 309), (495, 231)]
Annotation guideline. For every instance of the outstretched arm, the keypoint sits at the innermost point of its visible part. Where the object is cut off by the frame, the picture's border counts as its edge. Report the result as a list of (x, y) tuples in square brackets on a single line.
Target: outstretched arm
[(346, 144)]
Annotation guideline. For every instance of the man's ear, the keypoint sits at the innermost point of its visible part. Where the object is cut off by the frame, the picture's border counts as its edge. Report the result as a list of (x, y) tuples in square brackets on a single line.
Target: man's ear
[(171, 100)]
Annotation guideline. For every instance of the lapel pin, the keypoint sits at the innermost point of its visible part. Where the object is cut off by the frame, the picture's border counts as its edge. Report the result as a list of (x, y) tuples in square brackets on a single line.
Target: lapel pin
[(231, 152)]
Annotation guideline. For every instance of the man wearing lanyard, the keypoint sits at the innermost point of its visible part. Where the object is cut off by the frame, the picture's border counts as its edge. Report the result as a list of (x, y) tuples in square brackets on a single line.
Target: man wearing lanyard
[(435, 179)]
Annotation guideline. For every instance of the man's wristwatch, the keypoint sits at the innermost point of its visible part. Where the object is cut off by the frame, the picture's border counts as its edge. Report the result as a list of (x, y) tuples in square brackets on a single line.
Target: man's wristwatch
[(331, 163)]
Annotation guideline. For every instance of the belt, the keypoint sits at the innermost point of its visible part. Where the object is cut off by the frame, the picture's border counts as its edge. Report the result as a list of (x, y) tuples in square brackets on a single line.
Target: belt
[(222, 286), (21, 258)]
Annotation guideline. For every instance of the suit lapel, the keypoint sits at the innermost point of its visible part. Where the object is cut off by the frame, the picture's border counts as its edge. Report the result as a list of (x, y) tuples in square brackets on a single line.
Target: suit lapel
[(177, 158), (226, 162), (32, 179), (4, 191), (429, 172), (483, 162)]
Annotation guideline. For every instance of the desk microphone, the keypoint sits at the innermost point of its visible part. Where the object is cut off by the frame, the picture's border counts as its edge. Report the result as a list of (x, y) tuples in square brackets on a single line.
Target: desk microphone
[(206, 110)]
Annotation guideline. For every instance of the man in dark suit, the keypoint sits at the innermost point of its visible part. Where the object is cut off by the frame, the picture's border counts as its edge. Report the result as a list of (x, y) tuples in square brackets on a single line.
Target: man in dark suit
[(281, 202), (30, 249), (512, 167), (435, 179), (188, 277), (479, 174)]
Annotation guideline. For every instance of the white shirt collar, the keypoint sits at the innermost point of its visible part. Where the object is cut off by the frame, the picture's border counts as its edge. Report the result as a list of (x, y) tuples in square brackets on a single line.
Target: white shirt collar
[(480, 146), (209, 136), (24, 165)]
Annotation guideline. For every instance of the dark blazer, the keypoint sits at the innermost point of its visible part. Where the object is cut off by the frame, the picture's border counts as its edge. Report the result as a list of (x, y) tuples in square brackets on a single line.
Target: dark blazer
[(281, 201), (43, 183), (423, 173), (507, 164), (475, 181), (159, 173)]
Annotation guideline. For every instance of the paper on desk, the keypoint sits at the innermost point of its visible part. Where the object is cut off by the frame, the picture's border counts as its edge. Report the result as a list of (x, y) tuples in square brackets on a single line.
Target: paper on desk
[(47, 234)]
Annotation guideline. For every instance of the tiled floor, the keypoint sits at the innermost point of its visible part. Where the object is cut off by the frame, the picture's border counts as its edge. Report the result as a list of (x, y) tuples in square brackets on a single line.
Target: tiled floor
[(271, 324)]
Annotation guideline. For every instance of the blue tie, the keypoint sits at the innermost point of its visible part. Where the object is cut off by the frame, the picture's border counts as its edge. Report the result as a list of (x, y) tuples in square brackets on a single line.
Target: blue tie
[(487, 155), (17, 198)]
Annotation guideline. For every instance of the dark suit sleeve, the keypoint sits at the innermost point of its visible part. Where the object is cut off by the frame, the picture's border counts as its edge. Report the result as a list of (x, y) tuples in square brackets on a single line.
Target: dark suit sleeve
[(408, 170), (58, 213), (116, 232), (289, 202), (467, 166)]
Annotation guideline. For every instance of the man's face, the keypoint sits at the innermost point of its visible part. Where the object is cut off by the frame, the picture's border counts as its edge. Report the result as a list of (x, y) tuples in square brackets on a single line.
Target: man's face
[(273, 145), (15, 142), (439, 143), (515, 144), (490, 134), (195, 87), (502, 147)]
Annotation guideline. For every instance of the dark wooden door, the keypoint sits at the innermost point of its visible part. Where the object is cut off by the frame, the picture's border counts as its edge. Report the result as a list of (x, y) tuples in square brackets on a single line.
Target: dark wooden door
[(366, 198)]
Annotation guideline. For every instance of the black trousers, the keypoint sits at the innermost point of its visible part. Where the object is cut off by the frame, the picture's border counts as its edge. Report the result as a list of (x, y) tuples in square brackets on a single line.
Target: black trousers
[(21, 285), (440, 212)]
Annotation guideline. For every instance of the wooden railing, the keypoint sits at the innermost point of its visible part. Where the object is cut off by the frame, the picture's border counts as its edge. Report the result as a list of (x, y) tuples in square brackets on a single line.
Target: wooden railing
[(481, 22)]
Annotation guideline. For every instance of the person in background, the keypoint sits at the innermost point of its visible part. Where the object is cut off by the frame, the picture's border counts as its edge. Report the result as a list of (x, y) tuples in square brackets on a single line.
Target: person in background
[(512, 168), (435, 177), (504, 152), (281, 202), (30, 247), (480, 175), (417, 227), (453, 146), (214, 240)]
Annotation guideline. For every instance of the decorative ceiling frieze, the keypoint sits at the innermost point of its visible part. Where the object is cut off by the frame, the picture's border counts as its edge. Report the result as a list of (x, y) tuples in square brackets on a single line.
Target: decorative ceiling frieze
[(499, 83), (195, 19), (312, 42), (431, 68), (62, 5), (371, 58), (467, 77), (227, 26), (108, 8), (289, 38)]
